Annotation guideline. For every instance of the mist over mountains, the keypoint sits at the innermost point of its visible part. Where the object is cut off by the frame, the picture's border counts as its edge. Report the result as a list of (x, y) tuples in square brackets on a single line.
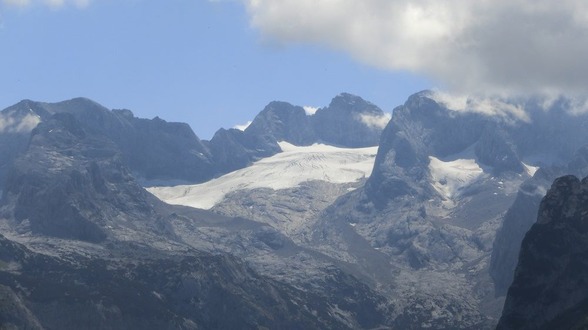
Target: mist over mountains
[(425, 232)]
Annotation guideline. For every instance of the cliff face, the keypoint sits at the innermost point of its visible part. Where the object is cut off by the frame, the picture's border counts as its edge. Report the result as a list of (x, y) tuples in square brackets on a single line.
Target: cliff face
[(152, 149), (549, 290), (523, 214), (71, 183), (349, 121)]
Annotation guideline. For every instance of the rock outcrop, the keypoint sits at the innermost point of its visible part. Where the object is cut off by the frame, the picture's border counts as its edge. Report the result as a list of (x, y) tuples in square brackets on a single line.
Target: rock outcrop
[(72, 183), (152, 149), (349, 121), (549, 290), (523, 214)]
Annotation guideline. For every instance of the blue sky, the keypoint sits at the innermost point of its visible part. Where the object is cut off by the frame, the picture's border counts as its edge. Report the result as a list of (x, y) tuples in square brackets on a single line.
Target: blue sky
[(195, 61), (217, 63)]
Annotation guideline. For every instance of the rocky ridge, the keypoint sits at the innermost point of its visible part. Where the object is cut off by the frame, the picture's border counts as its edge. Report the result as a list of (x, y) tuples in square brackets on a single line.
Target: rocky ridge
[(348, 121), (93, 234), (549, 287), (160, 151)]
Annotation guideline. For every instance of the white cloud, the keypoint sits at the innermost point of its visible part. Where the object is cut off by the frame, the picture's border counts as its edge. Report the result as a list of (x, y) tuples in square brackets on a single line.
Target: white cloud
[(9, 124), (487, 106), (243, 127), (451, 101), (49, 3), (375, 121), (483, 46), (578, 106), (310, 110)]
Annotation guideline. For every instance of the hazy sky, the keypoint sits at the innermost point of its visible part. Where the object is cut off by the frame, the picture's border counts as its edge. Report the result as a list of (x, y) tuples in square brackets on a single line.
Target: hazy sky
[(195, 61), (217, 63)]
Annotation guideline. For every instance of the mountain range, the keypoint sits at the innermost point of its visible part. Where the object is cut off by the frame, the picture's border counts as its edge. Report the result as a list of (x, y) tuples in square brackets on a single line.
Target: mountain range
[(345, 218)]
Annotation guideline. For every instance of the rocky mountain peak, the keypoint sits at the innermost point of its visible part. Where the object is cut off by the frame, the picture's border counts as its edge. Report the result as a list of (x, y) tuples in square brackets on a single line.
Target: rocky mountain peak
[(71, 183), (564, 202), (549, 290), (349, 121), (346, 102), (284, 122), (494, 149)]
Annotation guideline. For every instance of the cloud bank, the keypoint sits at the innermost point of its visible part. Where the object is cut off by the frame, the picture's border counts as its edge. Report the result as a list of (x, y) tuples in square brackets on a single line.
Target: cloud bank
[(9, 124), (372, 121), (244, 126), (494, 107), (482, 46), (49, 3), (309, 110)]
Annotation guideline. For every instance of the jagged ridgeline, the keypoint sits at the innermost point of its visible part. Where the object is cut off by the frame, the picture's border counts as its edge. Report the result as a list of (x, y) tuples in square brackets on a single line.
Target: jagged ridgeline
[(549, 290), (98, 251), (423, 232)]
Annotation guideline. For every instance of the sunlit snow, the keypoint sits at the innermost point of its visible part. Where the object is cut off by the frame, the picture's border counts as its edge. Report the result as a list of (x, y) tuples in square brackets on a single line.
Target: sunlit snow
[(451, 176), (287, 169), (530, 169)]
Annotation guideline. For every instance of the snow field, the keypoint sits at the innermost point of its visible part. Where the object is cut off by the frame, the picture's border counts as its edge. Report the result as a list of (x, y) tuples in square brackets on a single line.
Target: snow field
[(287, 169)]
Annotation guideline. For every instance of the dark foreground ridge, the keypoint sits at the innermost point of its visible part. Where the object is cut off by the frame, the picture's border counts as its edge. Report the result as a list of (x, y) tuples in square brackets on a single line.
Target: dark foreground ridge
[(550, 290)]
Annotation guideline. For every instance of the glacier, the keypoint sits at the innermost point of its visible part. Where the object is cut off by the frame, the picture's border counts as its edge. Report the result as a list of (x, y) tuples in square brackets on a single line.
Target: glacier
[(288, 169)]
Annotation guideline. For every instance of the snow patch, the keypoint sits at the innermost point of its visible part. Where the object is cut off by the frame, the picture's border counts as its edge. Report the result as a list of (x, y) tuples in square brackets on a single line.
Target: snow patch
[(530, 169), (288, 169), (450, 177)]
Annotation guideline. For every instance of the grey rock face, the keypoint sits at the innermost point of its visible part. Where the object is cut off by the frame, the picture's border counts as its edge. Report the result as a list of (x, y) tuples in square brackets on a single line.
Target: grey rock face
[(192, 291), (349, 121), (234, 149), (284, 122), (494, 149), (291, 211), (418, 129), (152, 149), (549, 286), (423, 127), (13, 312), (16, 124), (523, 214), (517, 221), (72, 184)]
